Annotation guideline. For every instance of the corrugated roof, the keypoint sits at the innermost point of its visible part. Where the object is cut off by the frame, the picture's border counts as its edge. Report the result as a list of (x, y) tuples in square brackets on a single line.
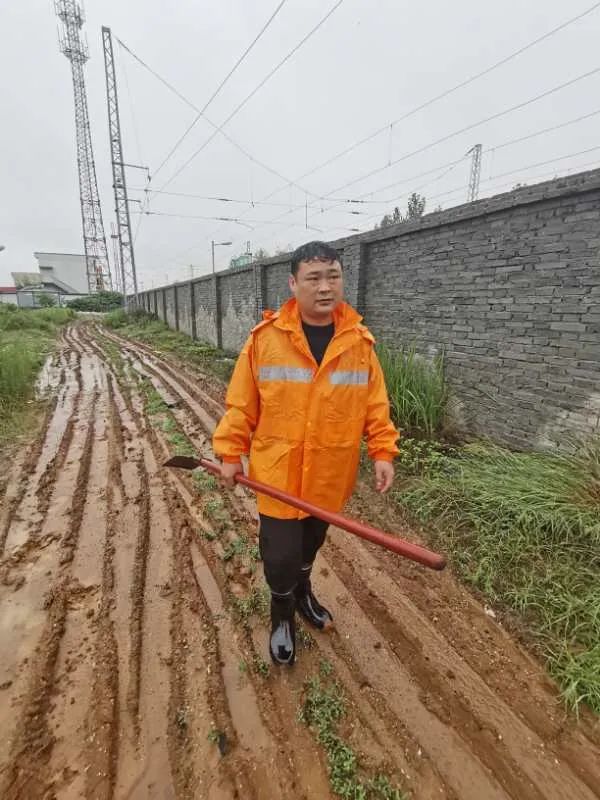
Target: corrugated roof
[(26, 278)]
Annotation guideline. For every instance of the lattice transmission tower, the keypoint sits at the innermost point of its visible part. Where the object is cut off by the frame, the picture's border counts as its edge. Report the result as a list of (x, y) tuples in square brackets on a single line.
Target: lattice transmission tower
[(475, 172), (125, 239), (94, 241)]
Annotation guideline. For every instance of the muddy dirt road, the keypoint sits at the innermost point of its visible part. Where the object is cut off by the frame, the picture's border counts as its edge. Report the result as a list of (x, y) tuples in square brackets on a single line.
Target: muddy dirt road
[(132, 639)]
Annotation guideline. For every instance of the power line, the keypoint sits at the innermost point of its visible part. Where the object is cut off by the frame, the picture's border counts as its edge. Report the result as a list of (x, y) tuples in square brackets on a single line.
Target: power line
[(200, 113), (257, 88), (470, 127), (212, 124), (448, 92), (450, 165), (542, 131), (217, 198), (449, 136), (505, 174), (237, 221), (430, 102)]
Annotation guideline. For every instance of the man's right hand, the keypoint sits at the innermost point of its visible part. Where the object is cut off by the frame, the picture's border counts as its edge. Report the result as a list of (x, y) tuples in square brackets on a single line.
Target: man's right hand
[(228, 473)]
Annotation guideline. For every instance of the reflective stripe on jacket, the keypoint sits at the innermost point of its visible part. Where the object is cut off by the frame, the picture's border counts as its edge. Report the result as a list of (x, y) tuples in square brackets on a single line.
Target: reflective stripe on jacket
[(301, 423)]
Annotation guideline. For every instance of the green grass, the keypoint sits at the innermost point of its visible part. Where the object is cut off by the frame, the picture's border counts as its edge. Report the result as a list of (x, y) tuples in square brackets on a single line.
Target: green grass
[(155, 407), (323, 710), (417, 389), (26, 338), (256, 603), (239, 547), (149, 329), (524, 528)]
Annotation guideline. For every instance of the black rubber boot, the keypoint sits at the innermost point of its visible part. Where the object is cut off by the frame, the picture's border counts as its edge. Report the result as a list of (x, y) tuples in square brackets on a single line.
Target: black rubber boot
[(308, 605), (283, 629)]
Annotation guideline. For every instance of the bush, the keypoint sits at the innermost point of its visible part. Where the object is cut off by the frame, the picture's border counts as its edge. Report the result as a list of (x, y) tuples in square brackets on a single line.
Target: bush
[(99, 302), (417, 390)]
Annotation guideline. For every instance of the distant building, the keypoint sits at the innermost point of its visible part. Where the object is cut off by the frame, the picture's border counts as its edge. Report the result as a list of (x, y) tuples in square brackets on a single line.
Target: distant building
[(30, 286), (241, 261), (66, 270), (8, 294)]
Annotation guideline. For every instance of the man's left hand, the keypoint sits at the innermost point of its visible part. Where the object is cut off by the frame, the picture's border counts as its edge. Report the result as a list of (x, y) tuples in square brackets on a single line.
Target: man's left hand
[(384, 475)]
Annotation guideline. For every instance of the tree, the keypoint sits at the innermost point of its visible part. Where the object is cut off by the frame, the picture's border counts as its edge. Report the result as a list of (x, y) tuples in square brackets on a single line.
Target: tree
[(414, 210), (45, 300), (261, 253), (416, 206), (392, 219)]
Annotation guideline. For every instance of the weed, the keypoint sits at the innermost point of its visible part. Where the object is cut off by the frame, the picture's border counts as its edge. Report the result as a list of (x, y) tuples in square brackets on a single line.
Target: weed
[(261, 667), (304, 638), (209, 535), (213, 736), (417, 389), (238, 547), (325, 668), (154, 403), (214, 506), (258, 603), (322, 711), (254, 552), (204, 481), (243, 666), (181, 444), (421, 457), (168, 425)]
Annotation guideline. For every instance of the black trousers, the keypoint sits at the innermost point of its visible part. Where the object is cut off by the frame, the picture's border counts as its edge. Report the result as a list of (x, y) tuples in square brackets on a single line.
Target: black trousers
[(287, 548)]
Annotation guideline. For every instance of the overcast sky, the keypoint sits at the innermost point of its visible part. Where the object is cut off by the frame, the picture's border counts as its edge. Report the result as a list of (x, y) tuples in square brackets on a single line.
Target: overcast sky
[(369, 64)]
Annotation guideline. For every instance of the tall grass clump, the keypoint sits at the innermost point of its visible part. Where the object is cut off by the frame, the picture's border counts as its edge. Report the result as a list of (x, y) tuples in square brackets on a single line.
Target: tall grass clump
[(26, 336), (417, 389), (525, 529)]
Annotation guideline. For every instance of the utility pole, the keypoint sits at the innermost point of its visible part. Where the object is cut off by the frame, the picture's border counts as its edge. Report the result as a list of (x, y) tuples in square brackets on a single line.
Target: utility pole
[(128, 273), (475, 172), (94, 241)]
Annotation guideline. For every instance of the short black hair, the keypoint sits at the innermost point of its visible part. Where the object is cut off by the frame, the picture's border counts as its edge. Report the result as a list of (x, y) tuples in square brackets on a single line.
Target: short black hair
[(313, 250)]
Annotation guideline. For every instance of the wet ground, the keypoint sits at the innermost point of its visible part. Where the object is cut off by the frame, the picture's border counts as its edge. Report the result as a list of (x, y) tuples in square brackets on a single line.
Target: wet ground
[(125, 671)]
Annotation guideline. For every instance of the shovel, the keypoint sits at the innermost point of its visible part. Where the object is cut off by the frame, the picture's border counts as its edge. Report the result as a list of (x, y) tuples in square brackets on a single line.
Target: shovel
[(407, 549)]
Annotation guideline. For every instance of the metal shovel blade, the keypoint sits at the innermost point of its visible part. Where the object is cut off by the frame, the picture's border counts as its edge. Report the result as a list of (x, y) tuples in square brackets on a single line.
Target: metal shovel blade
[(183, 462)]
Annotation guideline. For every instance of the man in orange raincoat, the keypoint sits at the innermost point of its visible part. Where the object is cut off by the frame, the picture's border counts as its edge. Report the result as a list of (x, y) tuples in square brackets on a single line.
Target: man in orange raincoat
[(306, 387)]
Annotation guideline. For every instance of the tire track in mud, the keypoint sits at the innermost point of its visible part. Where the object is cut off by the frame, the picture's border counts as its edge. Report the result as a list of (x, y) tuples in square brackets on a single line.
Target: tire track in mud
[(483, 733), (225, 671), (33, 739)]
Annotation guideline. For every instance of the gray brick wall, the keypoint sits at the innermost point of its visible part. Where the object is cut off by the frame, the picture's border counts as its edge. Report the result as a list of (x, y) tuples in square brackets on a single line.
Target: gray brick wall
[(507, 287), (184, 308), (276, 289), (238, 307), (206, 312)]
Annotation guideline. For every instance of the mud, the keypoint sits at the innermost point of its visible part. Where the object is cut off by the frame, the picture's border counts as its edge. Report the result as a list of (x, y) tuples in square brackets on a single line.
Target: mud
[(128, 671)]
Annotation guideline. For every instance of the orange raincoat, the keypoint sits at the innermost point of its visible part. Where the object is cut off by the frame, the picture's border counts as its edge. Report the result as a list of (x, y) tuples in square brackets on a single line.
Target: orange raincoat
[(301, 423)]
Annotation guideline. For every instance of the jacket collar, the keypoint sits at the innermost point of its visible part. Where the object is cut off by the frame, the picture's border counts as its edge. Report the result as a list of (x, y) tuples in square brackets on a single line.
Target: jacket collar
[(288, 317)]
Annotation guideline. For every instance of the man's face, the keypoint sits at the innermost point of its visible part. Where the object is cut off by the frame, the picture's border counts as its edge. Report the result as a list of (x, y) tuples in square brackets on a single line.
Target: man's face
[(318, 287)]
